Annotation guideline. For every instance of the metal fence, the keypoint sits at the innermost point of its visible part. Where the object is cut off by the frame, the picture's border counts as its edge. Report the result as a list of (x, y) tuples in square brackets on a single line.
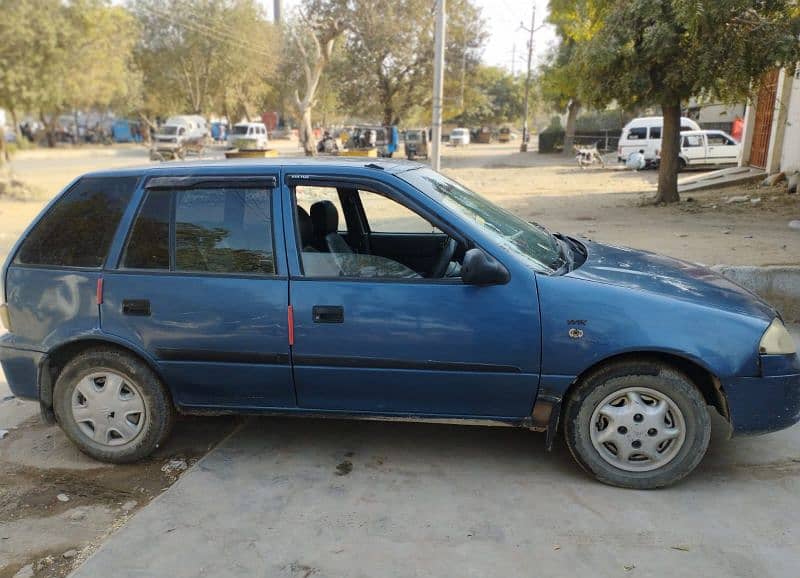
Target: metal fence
[(606, 140)]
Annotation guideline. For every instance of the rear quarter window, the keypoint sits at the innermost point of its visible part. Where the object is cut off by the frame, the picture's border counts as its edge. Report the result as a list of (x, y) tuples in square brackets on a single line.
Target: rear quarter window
[(78, 229)]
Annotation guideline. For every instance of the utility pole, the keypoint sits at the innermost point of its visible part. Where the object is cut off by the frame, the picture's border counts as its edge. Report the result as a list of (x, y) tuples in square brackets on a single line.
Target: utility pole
[(525, 132), (438, 84), (276, 12)]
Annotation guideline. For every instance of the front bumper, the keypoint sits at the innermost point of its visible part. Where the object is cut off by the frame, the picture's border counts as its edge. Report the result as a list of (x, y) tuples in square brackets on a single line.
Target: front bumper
[(760, 405)]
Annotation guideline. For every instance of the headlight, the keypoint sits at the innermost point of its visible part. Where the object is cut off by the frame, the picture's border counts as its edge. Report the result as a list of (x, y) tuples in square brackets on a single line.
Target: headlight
[(776, 340)]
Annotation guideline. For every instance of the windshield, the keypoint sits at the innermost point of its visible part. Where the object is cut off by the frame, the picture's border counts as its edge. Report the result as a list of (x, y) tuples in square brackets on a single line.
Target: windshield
[(240, 129), (169, 129), (412, 136), (530, 240)]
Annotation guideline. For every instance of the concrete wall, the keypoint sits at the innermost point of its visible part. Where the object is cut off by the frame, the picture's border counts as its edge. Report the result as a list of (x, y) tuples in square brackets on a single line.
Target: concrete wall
[(778, 285), (790, 156)]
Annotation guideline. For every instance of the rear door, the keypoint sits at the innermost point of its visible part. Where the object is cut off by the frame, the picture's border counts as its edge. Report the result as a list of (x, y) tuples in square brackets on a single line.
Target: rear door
[(693, 149), (722, 149), (198, 284)]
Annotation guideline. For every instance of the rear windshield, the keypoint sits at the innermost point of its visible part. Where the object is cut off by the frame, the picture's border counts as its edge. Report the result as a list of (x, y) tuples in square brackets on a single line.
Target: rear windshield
[(78, 229), (169, 130), (240, 129)]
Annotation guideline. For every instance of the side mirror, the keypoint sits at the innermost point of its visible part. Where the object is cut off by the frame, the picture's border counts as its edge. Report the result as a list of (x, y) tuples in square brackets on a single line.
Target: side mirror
[(481, 269)]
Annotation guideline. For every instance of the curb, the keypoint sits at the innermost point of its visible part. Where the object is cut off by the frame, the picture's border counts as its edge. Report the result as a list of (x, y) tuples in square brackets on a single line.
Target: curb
[(779, 285)]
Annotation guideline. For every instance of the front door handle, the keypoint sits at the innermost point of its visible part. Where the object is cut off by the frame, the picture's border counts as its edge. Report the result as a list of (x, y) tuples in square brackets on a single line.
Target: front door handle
[(136, 307), (328, 314)]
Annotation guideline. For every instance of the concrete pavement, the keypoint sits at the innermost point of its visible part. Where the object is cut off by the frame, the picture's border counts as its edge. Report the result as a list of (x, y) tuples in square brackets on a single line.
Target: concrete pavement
[(292, 497), (300, 498)]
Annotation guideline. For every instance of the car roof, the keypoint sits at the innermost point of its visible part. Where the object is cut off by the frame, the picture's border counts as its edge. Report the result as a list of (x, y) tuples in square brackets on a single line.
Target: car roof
[(249, 123), (709, 131), (255, 166), (651, 119)]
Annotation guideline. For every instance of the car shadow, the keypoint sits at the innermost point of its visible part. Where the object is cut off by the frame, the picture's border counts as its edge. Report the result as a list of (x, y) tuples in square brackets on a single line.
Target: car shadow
[(515, 452)]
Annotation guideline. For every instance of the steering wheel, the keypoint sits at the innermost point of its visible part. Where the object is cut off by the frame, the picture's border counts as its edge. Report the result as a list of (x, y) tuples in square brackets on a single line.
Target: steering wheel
[(445, 257)]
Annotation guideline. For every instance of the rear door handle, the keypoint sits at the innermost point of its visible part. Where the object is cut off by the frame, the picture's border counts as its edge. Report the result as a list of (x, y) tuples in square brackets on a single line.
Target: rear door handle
[(328, 314), (136, 307)]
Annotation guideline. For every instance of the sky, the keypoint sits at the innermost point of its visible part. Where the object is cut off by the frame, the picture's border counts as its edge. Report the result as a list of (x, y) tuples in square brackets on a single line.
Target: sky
[(504, 18)]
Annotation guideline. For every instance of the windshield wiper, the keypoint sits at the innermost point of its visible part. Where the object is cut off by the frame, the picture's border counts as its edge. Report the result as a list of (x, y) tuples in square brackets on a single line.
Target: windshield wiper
[(565, 256)]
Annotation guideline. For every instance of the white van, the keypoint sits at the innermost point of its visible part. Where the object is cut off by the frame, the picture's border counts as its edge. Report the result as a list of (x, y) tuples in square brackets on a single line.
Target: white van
[(644, 134), (187, 132), (248, 136), (459, 137)]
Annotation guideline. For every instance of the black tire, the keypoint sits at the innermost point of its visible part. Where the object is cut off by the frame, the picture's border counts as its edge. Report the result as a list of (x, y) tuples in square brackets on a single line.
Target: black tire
[(681, 165), (652, 375), (158, 416)]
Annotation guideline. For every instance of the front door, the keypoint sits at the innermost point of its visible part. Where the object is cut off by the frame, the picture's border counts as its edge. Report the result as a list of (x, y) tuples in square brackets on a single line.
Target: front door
[(373, 334), (199, 288)]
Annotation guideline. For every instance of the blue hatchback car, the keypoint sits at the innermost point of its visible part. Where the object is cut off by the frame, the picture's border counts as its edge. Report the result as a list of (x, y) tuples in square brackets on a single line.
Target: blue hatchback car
[(371, 290)]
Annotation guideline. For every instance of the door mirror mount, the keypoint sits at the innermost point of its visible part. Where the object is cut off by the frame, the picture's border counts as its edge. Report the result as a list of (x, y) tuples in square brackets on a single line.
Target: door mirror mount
[(480, 268)]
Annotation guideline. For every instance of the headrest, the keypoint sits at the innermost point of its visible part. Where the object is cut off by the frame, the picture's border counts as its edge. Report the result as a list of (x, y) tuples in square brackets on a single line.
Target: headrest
[(325, 218)]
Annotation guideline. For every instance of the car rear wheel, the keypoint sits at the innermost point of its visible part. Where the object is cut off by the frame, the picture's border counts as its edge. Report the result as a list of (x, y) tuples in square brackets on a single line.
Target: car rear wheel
[(637, 425), (112, 405)]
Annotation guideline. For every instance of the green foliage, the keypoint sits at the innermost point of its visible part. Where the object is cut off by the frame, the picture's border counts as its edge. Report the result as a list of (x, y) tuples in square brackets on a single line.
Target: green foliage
[(201, 56), (648, 52), (494, 97), (386, 66), (60, 56)]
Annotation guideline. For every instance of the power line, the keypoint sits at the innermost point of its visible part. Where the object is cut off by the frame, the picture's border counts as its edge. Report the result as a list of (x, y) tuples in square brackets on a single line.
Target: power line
[(215, 33)]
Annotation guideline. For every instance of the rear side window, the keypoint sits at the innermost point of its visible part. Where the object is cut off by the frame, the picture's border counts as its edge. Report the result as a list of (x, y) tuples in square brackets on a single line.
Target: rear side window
[(78, 229), (655, 132), (223, 231), (148, 244)]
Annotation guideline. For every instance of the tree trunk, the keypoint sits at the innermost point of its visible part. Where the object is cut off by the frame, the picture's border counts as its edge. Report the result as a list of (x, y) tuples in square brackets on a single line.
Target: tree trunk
[(49, 130), (3, 150), (15, 121), (573, 108), (388, 115), (670, 150), (307, 133)]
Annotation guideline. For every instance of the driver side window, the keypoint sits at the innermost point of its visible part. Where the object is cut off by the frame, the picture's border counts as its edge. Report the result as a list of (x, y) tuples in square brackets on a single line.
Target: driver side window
[(347, 232)]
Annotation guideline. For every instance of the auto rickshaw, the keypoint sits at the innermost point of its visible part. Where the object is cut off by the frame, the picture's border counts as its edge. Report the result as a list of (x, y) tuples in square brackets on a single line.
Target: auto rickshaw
[(504, 134), (416, 143)]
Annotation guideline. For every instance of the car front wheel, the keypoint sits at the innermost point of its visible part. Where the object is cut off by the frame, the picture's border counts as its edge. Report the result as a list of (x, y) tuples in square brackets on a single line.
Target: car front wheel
[(112, 405), (638, 425)]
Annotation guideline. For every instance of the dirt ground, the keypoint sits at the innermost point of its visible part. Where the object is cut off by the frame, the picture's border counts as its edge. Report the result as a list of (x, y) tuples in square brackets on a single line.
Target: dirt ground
[(57, 506), (608, 205)]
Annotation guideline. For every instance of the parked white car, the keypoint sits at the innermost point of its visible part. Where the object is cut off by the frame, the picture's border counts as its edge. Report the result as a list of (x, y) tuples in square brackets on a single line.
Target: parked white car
[(459, 137), (644, 135), (248, 136), (708, 148)]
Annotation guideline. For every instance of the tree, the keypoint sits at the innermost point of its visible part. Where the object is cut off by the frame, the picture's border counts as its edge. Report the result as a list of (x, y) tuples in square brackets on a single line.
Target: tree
[(662, 52), (202, 55), (60, 56), (315, 33), (575, 21), (386, 68), (493, 97)]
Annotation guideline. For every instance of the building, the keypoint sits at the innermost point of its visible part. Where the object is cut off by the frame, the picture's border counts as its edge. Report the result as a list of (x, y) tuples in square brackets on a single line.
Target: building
[(771, 139)]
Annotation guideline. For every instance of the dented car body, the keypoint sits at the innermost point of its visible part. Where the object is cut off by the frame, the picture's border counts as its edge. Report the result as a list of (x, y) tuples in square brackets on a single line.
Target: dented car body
[(242, 299)]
